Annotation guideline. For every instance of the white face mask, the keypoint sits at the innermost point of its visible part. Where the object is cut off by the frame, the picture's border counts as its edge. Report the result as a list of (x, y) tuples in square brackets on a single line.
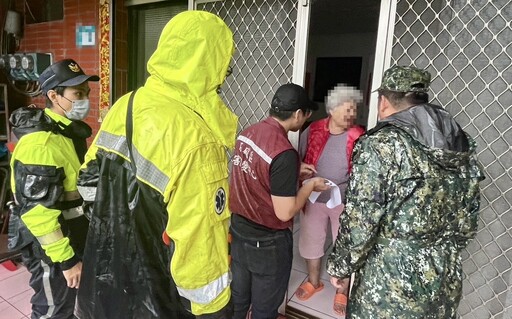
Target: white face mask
[(79, 109)]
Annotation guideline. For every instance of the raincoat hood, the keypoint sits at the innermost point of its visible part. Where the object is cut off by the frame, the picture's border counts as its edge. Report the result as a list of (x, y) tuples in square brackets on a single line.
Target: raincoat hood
[(191, 63), (435, 129)]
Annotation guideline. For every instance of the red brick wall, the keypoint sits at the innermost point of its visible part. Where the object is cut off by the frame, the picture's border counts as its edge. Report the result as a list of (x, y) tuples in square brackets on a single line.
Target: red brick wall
[(59, 39)]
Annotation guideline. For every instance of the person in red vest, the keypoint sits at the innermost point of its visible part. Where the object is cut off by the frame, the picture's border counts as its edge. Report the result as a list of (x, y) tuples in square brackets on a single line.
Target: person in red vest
[(263, 200), (326, 149)]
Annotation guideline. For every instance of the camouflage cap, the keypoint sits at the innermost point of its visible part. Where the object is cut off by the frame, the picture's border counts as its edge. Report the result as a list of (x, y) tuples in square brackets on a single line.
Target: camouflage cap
[(405, 79)]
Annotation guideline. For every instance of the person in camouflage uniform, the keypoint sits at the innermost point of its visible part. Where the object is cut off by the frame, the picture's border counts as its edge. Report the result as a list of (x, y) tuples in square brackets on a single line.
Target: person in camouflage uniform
[(412, 206)]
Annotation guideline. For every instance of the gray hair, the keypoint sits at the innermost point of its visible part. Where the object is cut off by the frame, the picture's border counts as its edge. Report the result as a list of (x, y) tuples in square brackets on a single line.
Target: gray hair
[(340, 94)]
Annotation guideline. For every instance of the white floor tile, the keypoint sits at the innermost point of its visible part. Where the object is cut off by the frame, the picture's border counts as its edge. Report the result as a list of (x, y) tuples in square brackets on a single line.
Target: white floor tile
[(319, 305), (22, 301), (7, 311), (309, 311), (14, 285)]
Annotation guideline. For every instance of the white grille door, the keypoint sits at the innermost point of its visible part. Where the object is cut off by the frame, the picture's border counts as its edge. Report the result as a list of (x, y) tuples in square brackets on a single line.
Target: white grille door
[(466, 45), (265, 33)]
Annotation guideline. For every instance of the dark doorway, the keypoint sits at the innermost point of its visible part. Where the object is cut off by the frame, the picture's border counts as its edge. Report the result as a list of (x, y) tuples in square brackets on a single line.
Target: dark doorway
[(341, 49), (331, 71)]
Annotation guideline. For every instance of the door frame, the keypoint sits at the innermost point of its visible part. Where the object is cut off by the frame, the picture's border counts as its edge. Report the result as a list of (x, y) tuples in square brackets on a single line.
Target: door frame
[(382, 61)]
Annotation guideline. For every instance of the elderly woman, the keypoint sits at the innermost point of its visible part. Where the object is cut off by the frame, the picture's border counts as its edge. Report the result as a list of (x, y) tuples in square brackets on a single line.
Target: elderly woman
[(325, 149)]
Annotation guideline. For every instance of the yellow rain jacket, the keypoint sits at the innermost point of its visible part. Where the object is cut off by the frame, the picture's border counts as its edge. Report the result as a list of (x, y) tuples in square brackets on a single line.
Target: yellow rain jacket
[(45, 168), (181, 131)]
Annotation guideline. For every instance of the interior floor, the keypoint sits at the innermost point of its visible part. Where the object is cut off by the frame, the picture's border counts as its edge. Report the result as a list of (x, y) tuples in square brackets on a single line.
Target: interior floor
[(320, 305)]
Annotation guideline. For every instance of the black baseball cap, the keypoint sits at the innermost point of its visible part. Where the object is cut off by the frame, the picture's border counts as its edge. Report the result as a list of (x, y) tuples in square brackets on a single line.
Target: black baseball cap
[(64, 73), (292, 97)]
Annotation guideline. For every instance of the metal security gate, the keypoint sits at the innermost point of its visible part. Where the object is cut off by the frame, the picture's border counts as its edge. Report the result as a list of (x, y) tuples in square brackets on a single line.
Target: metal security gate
[(466, 45), (265, 33)]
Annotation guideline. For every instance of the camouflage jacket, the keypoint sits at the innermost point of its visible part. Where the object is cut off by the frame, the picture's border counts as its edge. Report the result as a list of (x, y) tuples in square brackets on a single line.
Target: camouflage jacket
[(412, 206)]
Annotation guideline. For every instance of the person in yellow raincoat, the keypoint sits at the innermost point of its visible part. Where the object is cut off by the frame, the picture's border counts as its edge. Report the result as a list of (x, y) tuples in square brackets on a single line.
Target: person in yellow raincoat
[(47, 223), (160, 166)]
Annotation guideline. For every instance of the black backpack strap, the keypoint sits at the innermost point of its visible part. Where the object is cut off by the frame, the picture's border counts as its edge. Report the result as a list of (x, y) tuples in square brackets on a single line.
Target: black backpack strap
[(129, 130)]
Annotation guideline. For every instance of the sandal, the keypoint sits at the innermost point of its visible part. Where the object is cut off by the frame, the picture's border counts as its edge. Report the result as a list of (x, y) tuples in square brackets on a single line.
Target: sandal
[(308, 290), (340, 300)]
